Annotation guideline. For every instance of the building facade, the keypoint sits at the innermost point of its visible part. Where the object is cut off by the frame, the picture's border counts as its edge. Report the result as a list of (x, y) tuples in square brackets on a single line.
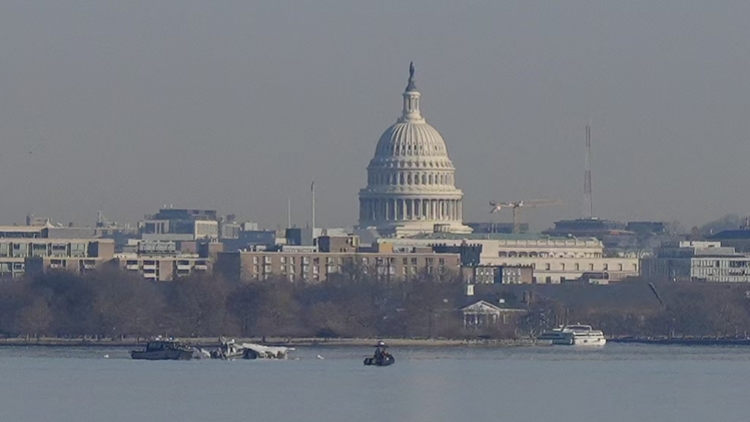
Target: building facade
[(553, 260), (698, 261), (497, 274), (20, 256), (313, 266), (162, 267), (410, 180)]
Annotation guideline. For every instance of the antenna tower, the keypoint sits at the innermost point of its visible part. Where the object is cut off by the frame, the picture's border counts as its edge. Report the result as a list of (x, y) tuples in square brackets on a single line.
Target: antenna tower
[(588, 206)]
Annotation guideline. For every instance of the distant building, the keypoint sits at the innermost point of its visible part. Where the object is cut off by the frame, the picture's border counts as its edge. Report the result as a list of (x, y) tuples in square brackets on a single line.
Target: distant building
[(738, 239), (162, 267), (20, 256), (180, 225), (646, 227), (483, 314), (707, 261), (488, 227), (585, 227), (313, 266), (162, 261), (248, 239), (553, 259), (498, 274)]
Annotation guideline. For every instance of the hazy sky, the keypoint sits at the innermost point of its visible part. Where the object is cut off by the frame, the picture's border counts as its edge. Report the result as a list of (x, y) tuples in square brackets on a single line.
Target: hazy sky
[(123, 106)]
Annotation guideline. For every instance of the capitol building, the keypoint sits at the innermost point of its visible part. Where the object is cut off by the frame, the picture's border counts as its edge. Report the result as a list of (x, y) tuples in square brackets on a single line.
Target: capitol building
[(411, 180)]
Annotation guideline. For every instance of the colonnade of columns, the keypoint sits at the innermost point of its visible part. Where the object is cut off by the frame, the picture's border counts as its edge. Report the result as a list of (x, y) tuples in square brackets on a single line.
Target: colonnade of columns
[(381, 209)]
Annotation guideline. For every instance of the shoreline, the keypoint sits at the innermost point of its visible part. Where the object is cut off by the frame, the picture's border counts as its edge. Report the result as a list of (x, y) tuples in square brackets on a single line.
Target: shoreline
[(361, 342), (279, 341)]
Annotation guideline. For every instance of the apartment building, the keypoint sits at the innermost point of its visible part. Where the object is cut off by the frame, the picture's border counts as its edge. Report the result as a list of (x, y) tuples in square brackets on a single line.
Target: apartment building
[(25, 255), (314, 266), (162, 261)]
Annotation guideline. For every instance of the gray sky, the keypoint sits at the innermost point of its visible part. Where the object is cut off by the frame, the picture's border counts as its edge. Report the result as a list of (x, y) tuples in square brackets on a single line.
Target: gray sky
[(124, 106)]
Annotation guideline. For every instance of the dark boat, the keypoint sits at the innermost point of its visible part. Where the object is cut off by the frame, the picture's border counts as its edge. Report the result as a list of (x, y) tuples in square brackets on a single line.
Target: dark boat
[(381, 357), (163, 350)]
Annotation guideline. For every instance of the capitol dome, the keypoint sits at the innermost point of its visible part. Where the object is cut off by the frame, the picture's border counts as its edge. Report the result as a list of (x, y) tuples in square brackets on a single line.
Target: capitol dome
[(410, 180)]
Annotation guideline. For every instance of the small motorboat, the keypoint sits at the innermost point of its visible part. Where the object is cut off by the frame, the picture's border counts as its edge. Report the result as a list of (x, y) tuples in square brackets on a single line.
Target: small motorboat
[(381, 357), (163, 350)]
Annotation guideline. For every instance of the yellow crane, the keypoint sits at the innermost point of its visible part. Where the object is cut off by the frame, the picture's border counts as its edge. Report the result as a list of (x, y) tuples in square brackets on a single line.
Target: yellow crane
[(516, 206)]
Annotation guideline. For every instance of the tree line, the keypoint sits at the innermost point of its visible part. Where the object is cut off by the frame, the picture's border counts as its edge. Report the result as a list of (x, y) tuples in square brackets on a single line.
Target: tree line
[(115, 304), (110, 303)]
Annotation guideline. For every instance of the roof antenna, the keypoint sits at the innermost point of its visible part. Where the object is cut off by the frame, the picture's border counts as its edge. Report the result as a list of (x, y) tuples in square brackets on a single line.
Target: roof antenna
[(588, 206)]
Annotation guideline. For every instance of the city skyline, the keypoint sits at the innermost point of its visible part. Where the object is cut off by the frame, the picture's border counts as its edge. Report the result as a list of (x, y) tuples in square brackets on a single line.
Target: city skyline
[(125, 108)]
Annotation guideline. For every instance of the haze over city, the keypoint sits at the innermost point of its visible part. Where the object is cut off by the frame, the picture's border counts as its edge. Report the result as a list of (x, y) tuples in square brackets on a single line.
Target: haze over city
[(124, 107)]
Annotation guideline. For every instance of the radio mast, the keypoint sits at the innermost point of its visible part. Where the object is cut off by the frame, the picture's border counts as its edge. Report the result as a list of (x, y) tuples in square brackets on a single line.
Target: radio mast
[(588, 206)]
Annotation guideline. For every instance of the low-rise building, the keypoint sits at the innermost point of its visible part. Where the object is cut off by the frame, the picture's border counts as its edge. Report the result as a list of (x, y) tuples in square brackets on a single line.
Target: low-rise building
[(698, 261), (162, 267), (315, 266), (162, 261), (553, 259), (19, 256), (483, 314), (497, 274)]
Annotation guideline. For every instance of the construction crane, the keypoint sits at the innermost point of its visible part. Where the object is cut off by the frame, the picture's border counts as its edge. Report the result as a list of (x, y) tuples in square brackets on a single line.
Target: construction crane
[(518, 205)]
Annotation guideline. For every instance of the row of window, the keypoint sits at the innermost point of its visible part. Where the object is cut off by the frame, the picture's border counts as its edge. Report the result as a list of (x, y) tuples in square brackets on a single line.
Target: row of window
[(266, 260), (22, 250), (331, 269), (579, 267), (534, 254), (711, 263)]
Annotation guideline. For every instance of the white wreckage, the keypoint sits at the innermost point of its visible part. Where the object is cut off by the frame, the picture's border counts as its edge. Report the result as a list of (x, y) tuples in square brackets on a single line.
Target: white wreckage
[(231, 350)]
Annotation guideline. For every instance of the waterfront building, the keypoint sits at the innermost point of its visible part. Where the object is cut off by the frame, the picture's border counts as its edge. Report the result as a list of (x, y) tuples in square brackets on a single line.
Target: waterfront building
[(483, 314), (411, 180)]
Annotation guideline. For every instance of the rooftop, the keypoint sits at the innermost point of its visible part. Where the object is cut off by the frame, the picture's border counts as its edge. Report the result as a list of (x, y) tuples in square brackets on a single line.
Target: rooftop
[(494, 236)]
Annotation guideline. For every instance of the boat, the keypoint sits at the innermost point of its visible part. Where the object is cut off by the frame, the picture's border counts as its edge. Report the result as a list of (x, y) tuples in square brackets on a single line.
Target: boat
[(575, 335), (163, 350), (381, 356)]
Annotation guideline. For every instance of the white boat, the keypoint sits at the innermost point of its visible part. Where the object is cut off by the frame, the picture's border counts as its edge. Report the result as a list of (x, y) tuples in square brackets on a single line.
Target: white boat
[(575, 335)]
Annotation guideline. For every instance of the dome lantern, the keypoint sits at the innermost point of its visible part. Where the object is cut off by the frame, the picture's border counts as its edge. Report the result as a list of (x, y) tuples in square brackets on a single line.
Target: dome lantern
[(411, 100)]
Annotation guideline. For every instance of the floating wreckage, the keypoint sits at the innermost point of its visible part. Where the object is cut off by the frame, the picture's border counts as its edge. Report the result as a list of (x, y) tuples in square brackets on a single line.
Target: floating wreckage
[(229, 349)]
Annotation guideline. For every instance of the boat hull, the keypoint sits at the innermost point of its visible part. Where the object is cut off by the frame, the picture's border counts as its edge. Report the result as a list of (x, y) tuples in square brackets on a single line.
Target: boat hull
[(390, 360), (162, 355), (595, 341)]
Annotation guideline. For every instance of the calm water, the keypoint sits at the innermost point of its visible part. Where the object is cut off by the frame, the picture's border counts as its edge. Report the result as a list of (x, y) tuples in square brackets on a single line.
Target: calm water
[(616, 383)]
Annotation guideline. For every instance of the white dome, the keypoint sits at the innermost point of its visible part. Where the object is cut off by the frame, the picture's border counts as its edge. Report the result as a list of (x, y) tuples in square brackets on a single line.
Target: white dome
[(410, 180), (412, 140)]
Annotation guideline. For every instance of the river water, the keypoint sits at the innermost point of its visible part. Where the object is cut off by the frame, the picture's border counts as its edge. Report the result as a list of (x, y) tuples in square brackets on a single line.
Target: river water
[(612, 384)]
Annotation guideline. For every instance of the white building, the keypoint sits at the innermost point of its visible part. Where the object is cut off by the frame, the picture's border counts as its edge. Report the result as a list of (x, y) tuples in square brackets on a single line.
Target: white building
[(698, 261), (553, 259), (410, 180)]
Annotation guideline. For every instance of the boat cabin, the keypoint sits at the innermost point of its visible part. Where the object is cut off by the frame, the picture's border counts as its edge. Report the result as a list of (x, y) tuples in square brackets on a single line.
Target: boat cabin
[(159, 345)]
